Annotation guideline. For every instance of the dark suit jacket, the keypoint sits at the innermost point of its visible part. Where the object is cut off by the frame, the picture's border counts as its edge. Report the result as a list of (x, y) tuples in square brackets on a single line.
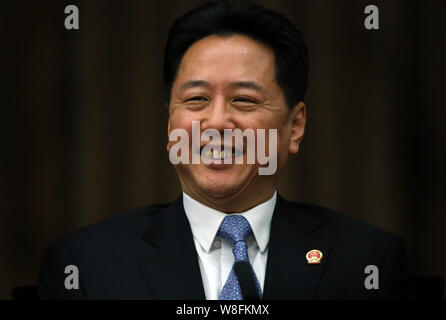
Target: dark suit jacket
[(149, 253)]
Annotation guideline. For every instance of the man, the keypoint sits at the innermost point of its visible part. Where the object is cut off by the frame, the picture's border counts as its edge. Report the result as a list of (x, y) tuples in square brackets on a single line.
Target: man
[(230, 67)]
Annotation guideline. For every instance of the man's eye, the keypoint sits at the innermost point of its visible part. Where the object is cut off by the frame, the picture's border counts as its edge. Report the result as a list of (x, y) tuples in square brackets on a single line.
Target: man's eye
[(243, 100), (197, 99)]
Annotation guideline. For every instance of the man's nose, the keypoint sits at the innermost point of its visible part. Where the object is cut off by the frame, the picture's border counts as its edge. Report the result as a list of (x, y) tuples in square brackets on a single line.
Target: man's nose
[(218, 116)]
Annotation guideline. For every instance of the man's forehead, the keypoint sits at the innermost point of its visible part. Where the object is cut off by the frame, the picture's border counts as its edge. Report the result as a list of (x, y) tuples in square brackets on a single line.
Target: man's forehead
[(235, 62)]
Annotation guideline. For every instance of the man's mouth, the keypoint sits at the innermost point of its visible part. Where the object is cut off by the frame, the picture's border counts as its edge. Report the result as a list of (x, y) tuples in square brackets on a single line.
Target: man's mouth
[(220, 153)]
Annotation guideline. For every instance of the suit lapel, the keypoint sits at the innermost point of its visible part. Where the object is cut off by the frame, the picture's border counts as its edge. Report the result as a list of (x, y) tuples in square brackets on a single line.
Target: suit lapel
[(293, 234), (170, 264)]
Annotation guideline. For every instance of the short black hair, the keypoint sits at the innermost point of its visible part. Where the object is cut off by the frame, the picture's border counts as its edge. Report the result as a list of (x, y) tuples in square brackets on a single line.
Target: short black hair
[(261, 24)]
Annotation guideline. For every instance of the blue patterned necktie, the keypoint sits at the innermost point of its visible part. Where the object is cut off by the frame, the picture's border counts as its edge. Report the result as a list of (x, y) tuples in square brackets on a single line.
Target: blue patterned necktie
[(236, 228)]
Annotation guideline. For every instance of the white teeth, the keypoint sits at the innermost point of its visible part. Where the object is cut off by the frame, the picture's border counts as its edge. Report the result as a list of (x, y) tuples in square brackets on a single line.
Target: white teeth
[(218, 154), (215, 154)]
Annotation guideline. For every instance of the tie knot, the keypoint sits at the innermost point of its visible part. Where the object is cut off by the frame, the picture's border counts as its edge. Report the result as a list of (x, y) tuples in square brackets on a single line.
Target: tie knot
[(234, 228)]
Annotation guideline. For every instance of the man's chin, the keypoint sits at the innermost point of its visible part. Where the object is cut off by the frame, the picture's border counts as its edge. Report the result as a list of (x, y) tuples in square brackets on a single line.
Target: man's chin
[(219, 191)]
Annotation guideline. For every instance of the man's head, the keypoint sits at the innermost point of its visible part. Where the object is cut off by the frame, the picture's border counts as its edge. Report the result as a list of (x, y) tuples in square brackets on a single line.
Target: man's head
[(266, 26), (235, 66)]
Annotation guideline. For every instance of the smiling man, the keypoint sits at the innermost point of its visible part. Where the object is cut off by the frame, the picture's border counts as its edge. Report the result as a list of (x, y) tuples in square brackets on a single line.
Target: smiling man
[(228, 82), (240, 68)]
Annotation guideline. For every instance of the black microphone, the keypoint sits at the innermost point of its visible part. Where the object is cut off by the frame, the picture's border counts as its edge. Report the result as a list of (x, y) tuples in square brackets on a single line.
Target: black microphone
[(244, 273)]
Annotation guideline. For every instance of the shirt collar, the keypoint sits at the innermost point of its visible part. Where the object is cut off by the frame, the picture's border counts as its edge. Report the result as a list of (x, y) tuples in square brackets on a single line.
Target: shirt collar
[(205, 221)]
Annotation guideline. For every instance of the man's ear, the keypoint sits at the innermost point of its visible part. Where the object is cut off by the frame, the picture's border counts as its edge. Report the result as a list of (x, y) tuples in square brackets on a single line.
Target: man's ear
[(298, 119)]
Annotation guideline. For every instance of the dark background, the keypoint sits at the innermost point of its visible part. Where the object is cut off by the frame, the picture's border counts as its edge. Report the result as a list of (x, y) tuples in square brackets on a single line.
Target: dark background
[(84, 127)]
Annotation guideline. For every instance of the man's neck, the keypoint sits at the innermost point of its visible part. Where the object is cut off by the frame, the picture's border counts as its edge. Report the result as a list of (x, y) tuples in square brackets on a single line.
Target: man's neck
[(233, 203)]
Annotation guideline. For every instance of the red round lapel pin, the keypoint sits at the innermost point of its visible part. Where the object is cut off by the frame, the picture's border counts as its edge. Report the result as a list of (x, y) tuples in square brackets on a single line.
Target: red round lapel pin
[(314, 256)]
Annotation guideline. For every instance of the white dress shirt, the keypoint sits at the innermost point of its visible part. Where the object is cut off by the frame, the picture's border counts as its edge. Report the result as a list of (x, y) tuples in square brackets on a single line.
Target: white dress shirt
[(215, 255)]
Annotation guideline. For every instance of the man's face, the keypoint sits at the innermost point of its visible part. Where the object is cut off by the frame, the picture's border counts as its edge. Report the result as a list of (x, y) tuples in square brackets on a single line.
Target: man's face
[(228, 83)]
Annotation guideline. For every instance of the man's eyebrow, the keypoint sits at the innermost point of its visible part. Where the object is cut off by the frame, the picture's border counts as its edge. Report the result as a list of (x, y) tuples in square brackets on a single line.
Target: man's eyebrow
[(235, 85), (246, 85), (195, 83)]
